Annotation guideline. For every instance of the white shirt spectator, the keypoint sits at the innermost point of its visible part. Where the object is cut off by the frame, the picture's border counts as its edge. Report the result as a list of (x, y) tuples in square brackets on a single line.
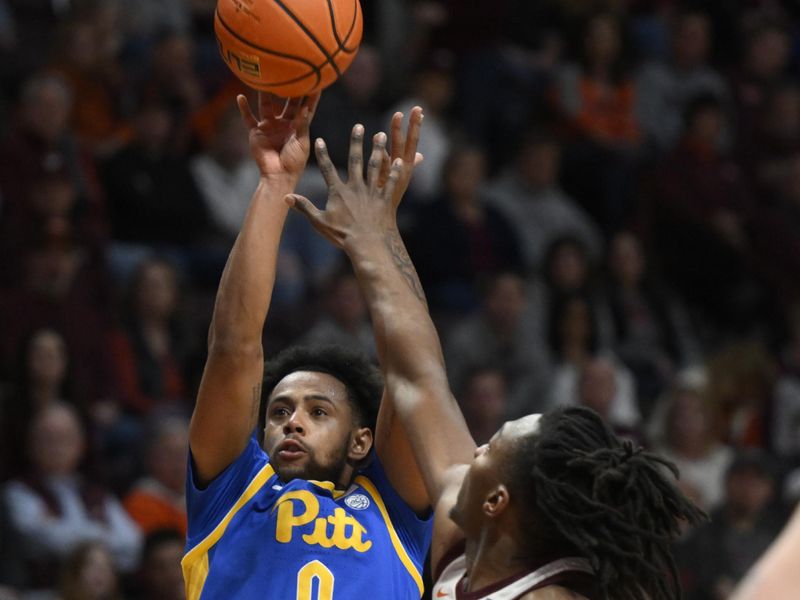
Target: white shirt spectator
[(542, 216), (705, 475), (226, 192), (44, 534)]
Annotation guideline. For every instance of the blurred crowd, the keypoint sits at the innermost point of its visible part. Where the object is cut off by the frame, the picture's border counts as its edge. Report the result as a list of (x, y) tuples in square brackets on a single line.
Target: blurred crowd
[(608, 214)]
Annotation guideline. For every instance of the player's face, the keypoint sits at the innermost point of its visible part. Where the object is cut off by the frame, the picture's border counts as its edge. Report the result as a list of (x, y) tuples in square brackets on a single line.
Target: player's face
[(487, 471), (309, 426)]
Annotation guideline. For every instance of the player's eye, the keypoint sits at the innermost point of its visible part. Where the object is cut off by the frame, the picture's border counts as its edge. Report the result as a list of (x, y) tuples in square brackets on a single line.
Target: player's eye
[(280, 411), (318, 412)]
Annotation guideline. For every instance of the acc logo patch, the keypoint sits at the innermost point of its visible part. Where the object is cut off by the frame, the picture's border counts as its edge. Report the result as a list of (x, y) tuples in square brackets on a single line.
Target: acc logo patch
[(357, 501)]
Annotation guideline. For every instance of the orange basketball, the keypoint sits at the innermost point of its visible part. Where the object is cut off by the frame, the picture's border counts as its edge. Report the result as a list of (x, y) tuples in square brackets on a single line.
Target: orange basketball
[(288, 47)]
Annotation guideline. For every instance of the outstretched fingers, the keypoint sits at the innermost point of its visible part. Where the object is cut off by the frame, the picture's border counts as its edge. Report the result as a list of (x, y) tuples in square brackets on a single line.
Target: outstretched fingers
[(409, 154), (325, 165), (306, 115), (394, 177), (398, 140), (248, 117), (355, 161), (376, 161)]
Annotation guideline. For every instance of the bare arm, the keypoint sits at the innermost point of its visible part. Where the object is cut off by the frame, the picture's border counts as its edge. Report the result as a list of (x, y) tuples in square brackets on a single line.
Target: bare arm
[(230, 390), (775, 575), (360, 218)]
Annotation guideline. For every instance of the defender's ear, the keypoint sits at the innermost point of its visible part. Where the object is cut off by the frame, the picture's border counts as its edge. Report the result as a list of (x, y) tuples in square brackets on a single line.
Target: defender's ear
[(496, 501), (360, 444)]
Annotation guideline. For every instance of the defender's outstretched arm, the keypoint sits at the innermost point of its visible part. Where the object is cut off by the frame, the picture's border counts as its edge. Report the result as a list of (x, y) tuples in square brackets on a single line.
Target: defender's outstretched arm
[(360, 217)]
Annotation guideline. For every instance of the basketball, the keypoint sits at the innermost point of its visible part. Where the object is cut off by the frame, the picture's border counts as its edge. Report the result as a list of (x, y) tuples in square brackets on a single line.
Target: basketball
[(288, 47)]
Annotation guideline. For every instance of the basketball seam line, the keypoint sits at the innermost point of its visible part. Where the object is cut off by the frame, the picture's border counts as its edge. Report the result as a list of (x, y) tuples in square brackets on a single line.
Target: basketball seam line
[(342, 46), (315, 70), (333, 24), (317, 43)]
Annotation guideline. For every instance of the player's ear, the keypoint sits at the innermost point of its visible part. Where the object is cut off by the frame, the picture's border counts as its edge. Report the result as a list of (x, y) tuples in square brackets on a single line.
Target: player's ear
[(360, 443), (496, 501)]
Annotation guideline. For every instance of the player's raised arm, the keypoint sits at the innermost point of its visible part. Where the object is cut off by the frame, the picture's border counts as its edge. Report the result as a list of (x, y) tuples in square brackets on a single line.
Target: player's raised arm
[(360, 217), (227, 402)]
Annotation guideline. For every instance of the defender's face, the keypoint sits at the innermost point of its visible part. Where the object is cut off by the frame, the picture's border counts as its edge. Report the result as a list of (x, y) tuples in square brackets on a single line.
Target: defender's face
[(487, 470), (309, 424)]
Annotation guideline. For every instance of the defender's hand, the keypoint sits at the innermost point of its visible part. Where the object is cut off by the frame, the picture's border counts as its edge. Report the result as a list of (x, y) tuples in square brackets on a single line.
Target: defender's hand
[(404, 148), (357, 210), (279, 141)]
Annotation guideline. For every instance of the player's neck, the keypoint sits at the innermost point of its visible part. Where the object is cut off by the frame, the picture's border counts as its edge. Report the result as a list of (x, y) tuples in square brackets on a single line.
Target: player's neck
[(493, 557)]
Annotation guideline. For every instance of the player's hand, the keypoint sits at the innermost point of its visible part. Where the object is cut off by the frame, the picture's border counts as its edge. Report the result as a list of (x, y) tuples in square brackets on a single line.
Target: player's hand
[(404, 148), (360, 209), (279, 141)]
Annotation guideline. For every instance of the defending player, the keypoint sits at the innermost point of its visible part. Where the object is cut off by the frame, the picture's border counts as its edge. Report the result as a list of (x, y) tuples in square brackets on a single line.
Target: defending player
[(330, 510), (555, 506)]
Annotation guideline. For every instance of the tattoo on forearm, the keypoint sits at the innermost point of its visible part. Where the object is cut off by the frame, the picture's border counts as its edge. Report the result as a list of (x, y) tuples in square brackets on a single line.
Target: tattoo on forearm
[(404, 264), (255, 409)]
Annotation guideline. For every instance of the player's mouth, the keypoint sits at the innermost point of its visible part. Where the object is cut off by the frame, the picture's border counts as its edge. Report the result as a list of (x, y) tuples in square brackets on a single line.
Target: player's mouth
[(291, 450)]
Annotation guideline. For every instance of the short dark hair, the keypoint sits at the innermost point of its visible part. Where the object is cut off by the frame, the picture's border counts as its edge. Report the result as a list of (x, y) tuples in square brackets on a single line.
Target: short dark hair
[(359, 375), (605, 499)]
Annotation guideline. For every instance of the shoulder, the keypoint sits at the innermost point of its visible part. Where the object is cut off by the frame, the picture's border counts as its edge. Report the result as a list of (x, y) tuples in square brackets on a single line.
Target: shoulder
[(552, 592)]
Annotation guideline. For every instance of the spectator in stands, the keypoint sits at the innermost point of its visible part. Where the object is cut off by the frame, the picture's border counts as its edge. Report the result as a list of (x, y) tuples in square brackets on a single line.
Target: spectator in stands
[(160, 573), (665, 88), (480, 240), (597, 100), (42, 380), (59, 292), (41, 142), (597, 96), (152, 199), (149, 17), (432, 89), (599, 389), (777, 138), (529, 196), (603, 385), (171, 81), (567, 271), (226, 177), (767, 53), (345, 318), (643, 319), (701, 203), (786, 407), (88, 573), (774, 231), (150, 349), (501, 333), (740, 388), (690, 439), (719, 553), (484, 401), (52, 209), (93, 76), (157, 500), (55, 508), (352, 99)]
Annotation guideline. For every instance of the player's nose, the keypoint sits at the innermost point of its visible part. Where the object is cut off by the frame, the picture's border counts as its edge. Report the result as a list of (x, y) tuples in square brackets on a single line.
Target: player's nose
[(294, 424)]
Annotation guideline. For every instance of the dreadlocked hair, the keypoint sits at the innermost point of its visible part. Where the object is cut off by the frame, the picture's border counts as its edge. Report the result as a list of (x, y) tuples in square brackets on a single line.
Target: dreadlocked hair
[(606, 500)]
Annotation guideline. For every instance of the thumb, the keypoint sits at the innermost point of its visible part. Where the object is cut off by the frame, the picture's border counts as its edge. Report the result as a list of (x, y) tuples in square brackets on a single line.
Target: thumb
[(304, 206)]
